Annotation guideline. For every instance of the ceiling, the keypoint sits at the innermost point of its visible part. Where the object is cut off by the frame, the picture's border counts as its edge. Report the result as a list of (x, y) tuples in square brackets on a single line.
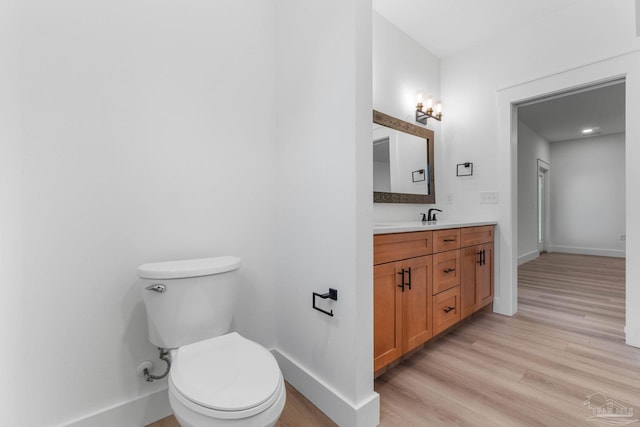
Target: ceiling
[(448, 27), (563, 118)]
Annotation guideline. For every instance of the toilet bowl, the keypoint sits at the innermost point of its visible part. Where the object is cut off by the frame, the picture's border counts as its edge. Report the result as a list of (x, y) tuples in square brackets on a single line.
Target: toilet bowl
[(215, 379), (226, 381)]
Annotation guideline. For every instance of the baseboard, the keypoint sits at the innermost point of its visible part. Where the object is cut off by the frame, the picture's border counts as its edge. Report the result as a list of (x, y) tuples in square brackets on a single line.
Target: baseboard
[(528, 257), (617, 253), (136, 413), (154, 406), (632, 336), (339, 409)]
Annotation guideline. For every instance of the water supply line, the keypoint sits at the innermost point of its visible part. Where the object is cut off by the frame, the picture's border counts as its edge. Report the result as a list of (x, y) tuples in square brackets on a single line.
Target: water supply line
[(164, 355)]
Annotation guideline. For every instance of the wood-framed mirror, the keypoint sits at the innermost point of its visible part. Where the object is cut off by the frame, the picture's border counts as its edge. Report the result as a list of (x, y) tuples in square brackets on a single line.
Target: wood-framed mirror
[(403, 162)]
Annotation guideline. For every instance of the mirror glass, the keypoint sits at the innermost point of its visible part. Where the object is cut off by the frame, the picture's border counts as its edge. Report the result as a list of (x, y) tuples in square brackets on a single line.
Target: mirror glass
[(402, 161), (399, 162)]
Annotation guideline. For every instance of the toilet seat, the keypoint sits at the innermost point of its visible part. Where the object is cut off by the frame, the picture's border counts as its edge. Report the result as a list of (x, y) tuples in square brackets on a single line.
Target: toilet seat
[(227, 377)]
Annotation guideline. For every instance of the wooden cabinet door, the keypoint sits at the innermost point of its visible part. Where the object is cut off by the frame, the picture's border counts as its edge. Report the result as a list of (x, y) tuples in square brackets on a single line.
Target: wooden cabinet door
[(470, 262), (485, 276), (417, 302), (476, 281), (387, 314)]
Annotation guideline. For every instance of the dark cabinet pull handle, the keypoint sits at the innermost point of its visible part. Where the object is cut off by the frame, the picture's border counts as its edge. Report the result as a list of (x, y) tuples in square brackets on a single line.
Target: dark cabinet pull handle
[(482, 260), (449, 240), (449, 270), (448, 309), (401, 285), (402, 282)]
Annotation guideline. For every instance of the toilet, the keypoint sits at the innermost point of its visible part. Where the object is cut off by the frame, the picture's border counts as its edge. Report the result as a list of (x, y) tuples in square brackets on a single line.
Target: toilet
[(216, 378)]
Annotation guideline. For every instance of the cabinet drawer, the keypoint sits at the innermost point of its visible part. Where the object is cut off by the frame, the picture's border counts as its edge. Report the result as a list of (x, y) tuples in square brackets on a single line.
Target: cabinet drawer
[(446, 240), (446, 309), (394, 247), (446, 270), (476, 235)]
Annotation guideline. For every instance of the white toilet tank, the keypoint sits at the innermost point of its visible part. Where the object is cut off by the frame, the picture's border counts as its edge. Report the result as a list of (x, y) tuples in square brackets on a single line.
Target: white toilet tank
[(189, 301)]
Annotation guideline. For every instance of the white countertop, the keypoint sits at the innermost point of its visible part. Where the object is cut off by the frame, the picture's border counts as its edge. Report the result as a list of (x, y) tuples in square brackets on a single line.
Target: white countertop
[(407, 226)]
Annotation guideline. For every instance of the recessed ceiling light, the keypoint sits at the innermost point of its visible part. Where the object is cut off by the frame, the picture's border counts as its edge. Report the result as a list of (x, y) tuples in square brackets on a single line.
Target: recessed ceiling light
[(587, 131)]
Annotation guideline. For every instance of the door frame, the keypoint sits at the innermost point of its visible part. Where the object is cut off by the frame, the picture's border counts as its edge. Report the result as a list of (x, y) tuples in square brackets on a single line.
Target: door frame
[(624, 66), (543, 199)]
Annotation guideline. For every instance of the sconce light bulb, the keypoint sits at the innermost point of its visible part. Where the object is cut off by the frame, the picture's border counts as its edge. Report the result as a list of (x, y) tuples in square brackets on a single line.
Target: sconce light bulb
[(420, 97), (429, 103), (438, 108)]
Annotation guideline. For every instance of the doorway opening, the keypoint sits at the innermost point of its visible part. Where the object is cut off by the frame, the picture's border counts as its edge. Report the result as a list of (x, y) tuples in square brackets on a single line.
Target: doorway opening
[(582, 134)]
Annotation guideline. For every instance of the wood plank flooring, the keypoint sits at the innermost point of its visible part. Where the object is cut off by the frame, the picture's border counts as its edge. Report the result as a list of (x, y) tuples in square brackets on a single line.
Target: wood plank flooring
[(536, 368)]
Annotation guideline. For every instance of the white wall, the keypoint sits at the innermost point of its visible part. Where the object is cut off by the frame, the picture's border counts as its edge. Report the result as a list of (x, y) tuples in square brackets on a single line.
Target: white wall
[(11, 327), (401, 69), (480, 86), (579, 221), (138, 146), (531, 147), (324, 204), (588, 195), (638, 18), (135, 143)]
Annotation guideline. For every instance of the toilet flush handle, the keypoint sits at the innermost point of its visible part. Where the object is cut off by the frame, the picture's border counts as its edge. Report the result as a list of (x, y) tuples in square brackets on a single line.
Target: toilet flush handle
[(158, 287)]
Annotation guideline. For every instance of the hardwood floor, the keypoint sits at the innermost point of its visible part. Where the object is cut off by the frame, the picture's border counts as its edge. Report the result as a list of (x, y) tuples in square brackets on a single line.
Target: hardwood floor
[(536, 368), (298, 412)]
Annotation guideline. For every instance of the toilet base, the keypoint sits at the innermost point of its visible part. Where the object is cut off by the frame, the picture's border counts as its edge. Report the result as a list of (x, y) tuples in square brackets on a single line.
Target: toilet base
[(189, 418)]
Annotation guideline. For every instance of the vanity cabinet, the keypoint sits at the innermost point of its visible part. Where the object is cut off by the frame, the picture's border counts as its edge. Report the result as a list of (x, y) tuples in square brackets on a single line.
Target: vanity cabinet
[(402, 295), (425, 282)]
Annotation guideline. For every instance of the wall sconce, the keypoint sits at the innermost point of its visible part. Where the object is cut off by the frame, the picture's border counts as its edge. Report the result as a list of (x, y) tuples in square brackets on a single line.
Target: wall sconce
[(423, 112)]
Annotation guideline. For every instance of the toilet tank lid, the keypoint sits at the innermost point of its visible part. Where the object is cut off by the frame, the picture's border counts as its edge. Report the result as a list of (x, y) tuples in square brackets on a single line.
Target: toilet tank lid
[(188, 268)]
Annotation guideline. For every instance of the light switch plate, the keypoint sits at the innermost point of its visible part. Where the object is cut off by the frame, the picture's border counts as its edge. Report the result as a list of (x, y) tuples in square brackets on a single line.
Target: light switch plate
[(489, 197)]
